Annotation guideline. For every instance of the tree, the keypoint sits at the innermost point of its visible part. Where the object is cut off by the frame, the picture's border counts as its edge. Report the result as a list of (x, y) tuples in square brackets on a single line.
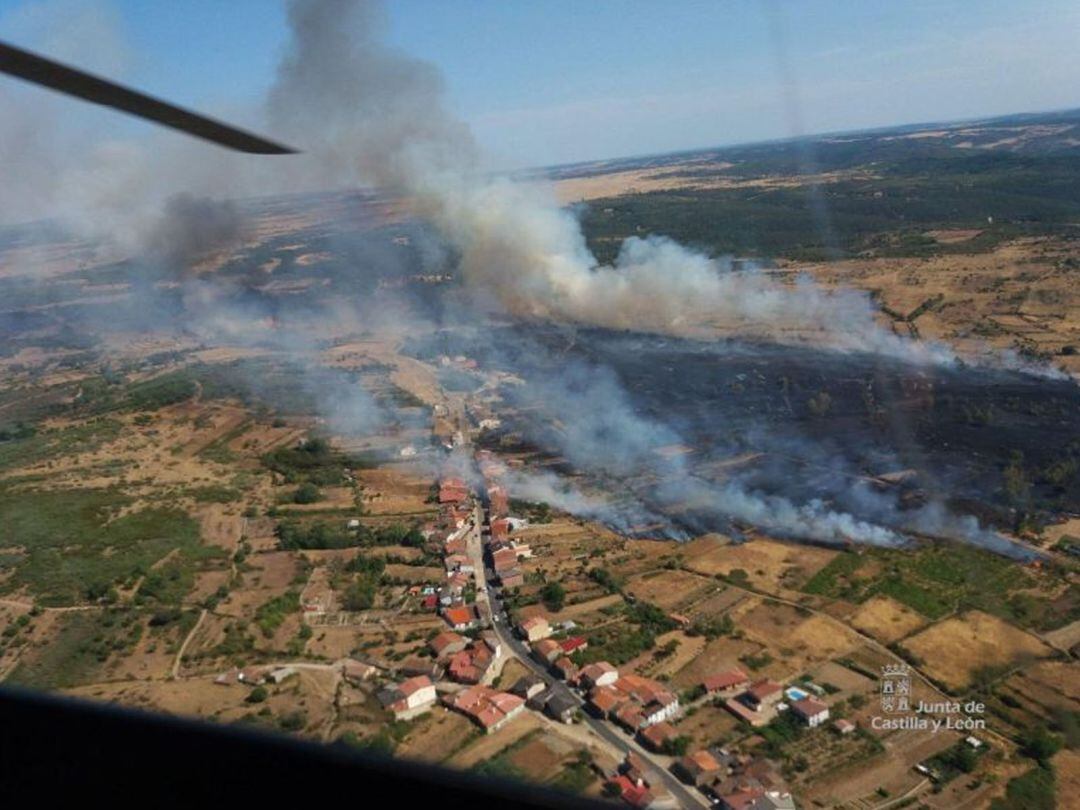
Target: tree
[(258, 695), (677, 747), (604, 578), (307, 493), (1039, 744), (739, 577), (554, 596), (359, 596)]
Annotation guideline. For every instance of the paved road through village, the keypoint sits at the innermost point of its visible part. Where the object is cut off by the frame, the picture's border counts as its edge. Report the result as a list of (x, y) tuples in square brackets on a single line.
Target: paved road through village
[(493, 611)]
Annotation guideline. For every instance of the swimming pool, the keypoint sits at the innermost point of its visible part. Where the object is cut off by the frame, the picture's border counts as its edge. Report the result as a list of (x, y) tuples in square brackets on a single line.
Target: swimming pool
[(794, 693)]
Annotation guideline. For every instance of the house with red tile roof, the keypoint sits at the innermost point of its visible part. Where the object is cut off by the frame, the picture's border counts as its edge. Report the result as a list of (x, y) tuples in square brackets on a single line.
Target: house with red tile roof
[(504, 559), (500, 529), (489, 709), (741, 799), (447, 643), (843, 726), (565, 669), (698, 768), (763, 693), (573, 644), (471, 664), (453, 491), (726, 683), (635, 794), (628, 714), (600, 673), (411, 697), (546, 650), (633, 702), (534, 628), (511, 578), (498, 501), (655, 736), (603, 700), (743, 712), (811, 711), (461, 618)]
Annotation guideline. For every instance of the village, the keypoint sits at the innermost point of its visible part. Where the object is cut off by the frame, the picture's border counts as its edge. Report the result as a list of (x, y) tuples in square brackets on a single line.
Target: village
[(483, 641), (428, 607), (629, 720)]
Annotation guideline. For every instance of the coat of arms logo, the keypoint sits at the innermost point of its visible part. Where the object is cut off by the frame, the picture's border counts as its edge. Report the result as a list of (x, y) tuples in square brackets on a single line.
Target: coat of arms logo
[(896, 688)]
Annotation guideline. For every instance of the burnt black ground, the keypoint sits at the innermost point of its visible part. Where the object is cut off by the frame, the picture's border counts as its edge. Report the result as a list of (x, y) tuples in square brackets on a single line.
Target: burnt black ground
[(822, 418)]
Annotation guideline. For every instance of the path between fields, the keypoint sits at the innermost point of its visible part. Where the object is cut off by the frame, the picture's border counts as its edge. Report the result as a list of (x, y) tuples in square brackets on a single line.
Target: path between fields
[(187, 639)]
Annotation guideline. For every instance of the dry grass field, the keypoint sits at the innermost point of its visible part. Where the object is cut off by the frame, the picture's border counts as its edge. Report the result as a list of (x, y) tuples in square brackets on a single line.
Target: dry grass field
[(438, 735), (1018, 294), (304, 693), (886, 619), (770, 565), (487, 746), (954, 649), (717, 656), (709, 725), (796, 642), (394, 492), (656, 665), (671, 590)]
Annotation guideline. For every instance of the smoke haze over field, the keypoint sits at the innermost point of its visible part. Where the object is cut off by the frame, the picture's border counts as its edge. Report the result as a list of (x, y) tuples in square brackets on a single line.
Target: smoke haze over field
[(364, 113)]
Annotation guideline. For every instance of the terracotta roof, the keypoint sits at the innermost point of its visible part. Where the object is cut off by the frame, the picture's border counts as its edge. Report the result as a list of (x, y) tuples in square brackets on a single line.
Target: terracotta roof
[(546, 648), (763, 689), (565, 664), (574, 643), (809, 707), (702, 761), (630, 715), (413, 685), (486, 706), (459, 615), (725, 680), (604, 699), (659, 733), (645, 690), (743, 798), (593, 671), (452, 494), (632, 793), (444, 640)]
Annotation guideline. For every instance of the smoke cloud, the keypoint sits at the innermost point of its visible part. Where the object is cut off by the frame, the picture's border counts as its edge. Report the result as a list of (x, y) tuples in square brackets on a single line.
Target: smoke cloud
[(365, 113), (368, 111)]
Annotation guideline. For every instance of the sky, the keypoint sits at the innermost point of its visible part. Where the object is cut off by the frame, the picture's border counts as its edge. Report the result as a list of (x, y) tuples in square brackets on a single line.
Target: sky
[(560, 81)]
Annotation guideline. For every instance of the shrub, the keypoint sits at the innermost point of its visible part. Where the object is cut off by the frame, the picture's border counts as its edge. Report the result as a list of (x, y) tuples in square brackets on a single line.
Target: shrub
[(257, 695)]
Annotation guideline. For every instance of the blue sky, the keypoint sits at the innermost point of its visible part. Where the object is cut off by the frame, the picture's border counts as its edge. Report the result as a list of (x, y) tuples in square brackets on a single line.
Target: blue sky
[(558, 81)]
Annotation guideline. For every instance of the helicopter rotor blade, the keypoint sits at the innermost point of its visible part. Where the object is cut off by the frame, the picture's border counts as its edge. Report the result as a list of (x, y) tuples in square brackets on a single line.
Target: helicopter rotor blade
[(56, 76)]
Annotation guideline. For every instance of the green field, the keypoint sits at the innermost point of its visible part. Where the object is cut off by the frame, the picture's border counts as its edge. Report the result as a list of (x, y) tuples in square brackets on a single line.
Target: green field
[(939, 578), (73, 545)]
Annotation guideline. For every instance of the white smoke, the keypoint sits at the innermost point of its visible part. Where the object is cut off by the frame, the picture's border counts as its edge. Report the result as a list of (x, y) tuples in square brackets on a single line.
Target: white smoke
[(366, 110), (366, 113)]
